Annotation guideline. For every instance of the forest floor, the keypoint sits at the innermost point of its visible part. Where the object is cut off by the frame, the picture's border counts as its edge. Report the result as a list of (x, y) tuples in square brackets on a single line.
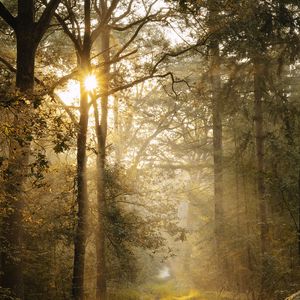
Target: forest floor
[(168, 291)]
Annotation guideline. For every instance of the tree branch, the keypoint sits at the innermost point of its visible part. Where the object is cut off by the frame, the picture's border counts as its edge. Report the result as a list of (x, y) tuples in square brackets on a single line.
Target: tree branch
[(45, 19), (160, 128), (50, 93), (137, 81), (63, 79), (74, 22), (124, 14), (126, 27), (76, 42), (8, 65), (7, 16), (127, 44), (104, 15), (111, 9), (180, 52)]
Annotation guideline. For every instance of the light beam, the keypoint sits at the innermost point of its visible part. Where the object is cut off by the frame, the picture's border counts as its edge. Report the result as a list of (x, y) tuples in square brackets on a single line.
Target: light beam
[(90, 82)]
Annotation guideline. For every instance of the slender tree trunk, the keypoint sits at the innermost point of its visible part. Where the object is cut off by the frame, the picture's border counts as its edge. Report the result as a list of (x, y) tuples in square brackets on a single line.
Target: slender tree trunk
[(248, 251), (117, 131), (215, 81), (259, 88), (299, 218), (82, 201), (239, 279), (100, 235), (217, 147), (101, 293), (237, 182), (82, 193)]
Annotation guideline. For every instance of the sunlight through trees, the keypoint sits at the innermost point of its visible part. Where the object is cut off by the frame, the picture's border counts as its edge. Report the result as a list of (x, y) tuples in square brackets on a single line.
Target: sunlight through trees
[(149, 149)]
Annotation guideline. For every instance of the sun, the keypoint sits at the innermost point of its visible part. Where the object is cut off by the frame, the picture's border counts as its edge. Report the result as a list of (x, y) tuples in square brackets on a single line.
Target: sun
[(90, 82)]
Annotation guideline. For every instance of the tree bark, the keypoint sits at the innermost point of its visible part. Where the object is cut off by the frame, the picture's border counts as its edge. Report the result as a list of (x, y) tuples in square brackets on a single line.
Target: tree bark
[(28, 34), (101, 293), (298, 231), (28, 38), (26, 46), (217, 146), (259, 89), (215, 81), (16, 172), (82, 201), (117, 144), (11, 257), (82, 192)]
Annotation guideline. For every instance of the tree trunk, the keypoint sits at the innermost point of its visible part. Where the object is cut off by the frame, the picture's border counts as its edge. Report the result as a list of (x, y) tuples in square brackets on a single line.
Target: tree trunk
[(82, 200), (100, 235), (101, 141), (217, 147), (82, 193), (28, 35), (259, 88), (298, 231), (12, 260), (215, 82), (16, 173), (26, 48), (117, 144)]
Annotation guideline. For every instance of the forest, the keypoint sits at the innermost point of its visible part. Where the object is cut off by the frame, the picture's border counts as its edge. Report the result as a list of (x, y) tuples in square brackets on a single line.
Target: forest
[(149, 149)]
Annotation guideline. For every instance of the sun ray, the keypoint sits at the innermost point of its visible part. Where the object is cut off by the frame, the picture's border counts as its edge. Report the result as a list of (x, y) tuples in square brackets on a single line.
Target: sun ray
[(90, 82)]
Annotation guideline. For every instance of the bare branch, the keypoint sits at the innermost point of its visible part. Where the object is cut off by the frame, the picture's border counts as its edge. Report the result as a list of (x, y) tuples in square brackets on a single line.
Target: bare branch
[(116, 59), (160, 128), (123, 15), (76, 41), (180, 52), (65, 107), (74, 21), (111, 9), (140, 80), (96, 8), (142, 20), (7, 16), (63, 80), (45, 19), (8, 65), (127, 44)]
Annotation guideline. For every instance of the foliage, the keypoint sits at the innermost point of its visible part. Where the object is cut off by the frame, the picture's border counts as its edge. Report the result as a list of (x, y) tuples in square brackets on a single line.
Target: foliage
[(159, 181)]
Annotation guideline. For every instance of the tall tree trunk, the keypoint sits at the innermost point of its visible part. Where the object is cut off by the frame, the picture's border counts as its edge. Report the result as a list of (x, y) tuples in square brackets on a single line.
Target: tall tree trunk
[(82, 200), (101, 293), (28, 33), (12, 257), (217, 146), (248, 251), (237, 173), (101, 207), (259, 90), (82, 193), (298, 218), (215, 81), (19, 151), (117, 144)]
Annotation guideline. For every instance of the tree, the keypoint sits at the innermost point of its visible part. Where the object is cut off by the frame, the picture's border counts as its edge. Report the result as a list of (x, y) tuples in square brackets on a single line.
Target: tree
[(23, 24)]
